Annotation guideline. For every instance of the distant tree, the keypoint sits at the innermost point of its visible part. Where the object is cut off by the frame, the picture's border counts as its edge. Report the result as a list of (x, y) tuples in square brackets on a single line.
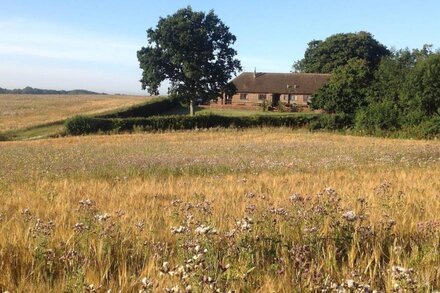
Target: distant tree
[(347, 89), (423, 87), (193, 51), (335, 51), (34, 91)]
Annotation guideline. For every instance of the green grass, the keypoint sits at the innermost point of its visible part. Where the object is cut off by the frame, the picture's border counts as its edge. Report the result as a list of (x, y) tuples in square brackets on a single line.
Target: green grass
[(46, 130), (231, 112)]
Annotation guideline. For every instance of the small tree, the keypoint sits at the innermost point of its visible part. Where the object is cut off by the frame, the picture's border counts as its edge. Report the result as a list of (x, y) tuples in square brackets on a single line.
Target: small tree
[(193, 51)]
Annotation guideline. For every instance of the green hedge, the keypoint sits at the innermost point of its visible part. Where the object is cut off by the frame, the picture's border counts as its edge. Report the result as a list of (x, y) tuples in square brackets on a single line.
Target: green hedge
[(331, 122), (153, 106), (78, 125), (85, 125)]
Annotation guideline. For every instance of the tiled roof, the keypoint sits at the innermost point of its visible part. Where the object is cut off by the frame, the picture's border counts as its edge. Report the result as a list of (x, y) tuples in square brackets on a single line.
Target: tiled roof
[(280, 83)]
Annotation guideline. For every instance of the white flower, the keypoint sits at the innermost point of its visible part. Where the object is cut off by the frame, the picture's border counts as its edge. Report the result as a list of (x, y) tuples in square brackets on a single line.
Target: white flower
[(202, 229), (179, 230), (102, 218), (349, 216), (350, 283)]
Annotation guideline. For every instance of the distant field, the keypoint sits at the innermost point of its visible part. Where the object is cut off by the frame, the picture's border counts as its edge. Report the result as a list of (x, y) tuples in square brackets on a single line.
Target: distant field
[(258, 210), (19, 111)]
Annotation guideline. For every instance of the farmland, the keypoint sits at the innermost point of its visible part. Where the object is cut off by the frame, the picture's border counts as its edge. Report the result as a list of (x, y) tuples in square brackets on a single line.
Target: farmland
[(259, 210), (19, 111)]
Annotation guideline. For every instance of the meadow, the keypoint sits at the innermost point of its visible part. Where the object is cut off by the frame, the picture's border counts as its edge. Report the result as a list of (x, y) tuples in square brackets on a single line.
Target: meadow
[(20, 111), (259, 210)]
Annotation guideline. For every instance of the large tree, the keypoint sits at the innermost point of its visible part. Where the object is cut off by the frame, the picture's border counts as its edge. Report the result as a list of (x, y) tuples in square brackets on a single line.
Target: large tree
[(347, 89), (335, 51), (192, 50)]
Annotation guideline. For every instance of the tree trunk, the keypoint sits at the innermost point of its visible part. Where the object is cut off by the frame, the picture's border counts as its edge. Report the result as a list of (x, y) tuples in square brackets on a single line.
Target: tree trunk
[(191, 107)]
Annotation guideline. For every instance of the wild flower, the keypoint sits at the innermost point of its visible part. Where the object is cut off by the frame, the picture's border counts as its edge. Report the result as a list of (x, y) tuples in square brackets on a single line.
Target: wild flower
[(91, 288), (27, 214), (102, 217), (310, 229), (350, 216), (296, 197), (140, 225), (146, 285), (278, 211), (80, 227), (205, 230), (245, 224), (87, 203), (179, 230), (404, 278), (42, 228)]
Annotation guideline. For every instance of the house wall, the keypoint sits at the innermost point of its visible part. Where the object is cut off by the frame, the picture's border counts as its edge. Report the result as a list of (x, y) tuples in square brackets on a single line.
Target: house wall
[(253, 99)]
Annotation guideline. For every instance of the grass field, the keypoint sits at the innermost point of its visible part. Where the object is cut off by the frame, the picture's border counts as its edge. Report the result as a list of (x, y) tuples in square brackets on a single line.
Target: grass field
[(20, 111), (261, 210)]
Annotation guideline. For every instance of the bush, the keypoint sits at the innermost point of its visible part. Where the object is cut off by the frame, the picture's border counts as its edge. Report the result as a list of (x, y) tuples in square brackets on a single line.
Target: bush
[(378, 116), (84, 125), (154, 106), (78, 125), (430, 128), (331, 122)]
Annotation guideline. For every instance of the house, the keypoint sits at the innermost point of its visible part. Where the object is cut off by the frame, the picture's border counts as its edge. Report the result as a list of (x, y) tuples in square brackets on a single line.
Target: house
[(252, 89)]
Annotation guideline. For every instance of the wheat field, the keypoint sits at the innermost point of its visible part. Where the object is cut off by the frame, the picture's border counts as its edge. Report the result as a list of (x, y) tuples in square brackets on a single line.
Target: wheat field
[(19, 111), (261, 210)]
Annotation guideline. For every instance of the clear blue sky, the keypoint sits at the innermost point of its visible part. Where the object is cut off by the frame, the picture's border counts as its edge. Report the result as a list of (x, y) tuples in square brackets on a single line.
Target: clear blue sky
[(92, 44)]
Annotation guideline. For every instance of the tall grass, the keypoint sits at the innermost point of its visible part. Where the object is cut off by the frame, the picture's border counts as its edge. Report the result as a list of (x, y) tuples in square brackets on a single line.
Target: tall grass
[(253, 211)]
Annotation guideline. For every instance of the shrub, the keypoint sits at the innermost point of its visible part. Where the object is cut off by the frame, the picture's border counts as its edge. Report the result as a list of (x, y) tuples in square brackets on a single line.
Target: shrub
[(378, 116), (430, 128), (78, 125), (331, 122), (151, 107)]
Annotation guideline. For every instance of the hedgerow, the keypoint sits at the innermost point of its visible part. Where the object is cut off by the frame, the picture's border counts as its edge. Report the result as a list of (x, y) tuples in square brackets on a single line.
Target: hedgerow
[(85, 125)]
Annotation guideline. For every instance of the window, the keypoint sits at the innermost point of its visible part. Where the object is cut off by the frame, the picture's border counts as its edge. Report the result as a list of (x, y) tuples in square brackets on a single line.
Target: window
[(293, 98), (243, 96), (262, 97), (306, 98)]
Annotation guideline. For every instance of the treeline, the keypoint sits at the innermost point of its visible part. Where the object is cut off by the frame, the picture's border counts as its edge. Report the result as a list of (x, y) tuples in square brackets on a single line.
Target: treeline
[(382, 90), (34, 91)]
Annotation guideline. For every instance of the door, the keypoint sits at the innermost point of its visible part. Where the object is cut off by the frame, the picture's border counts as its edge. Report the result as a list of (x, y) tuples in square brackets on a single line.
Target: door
[(275, 100)]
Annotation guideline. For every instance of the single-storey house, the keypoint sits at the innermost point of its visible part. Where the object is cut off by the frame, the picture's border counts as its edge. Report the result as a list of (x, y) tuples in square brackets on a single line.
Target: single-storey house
[(253, 88)]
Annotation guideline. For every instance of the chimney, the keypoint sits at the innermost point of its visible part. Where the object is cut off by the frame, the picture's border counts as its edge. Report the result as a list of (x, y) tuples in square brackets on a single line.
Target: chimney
[(255, 72)]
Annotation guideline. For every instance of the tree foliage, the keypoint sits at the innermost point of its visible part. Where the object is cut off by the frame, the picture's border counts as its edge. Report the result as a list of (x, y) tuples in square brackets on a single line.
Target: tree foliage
[(192, 50), (423, 88), (347, 89), (335, 51)]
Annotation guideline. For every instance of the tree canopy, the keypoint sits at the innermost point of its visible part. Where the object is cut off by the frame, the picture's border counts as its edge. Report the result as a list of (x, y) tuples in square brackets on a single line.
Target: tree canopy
[(192, 50), (424, 86), (336, 50), (346, 90)]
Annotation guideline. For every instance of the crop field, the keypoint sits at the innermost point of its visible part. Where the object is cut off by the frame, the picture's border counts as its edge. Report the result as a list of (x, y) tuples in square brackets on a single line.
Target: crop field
[(19, 111), (260, 210)]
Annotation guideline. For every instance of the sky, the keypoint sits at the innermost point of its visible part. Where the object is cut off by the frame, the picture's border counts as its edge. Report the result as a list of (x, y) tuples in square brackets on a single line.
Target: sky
[(92, 44)]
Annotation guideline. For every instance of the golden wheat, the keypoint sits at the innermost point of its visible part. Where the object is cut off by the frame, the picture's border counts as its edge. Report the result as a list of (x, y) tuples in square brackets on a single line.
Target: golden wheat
[(256, 211), (18, 111)]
